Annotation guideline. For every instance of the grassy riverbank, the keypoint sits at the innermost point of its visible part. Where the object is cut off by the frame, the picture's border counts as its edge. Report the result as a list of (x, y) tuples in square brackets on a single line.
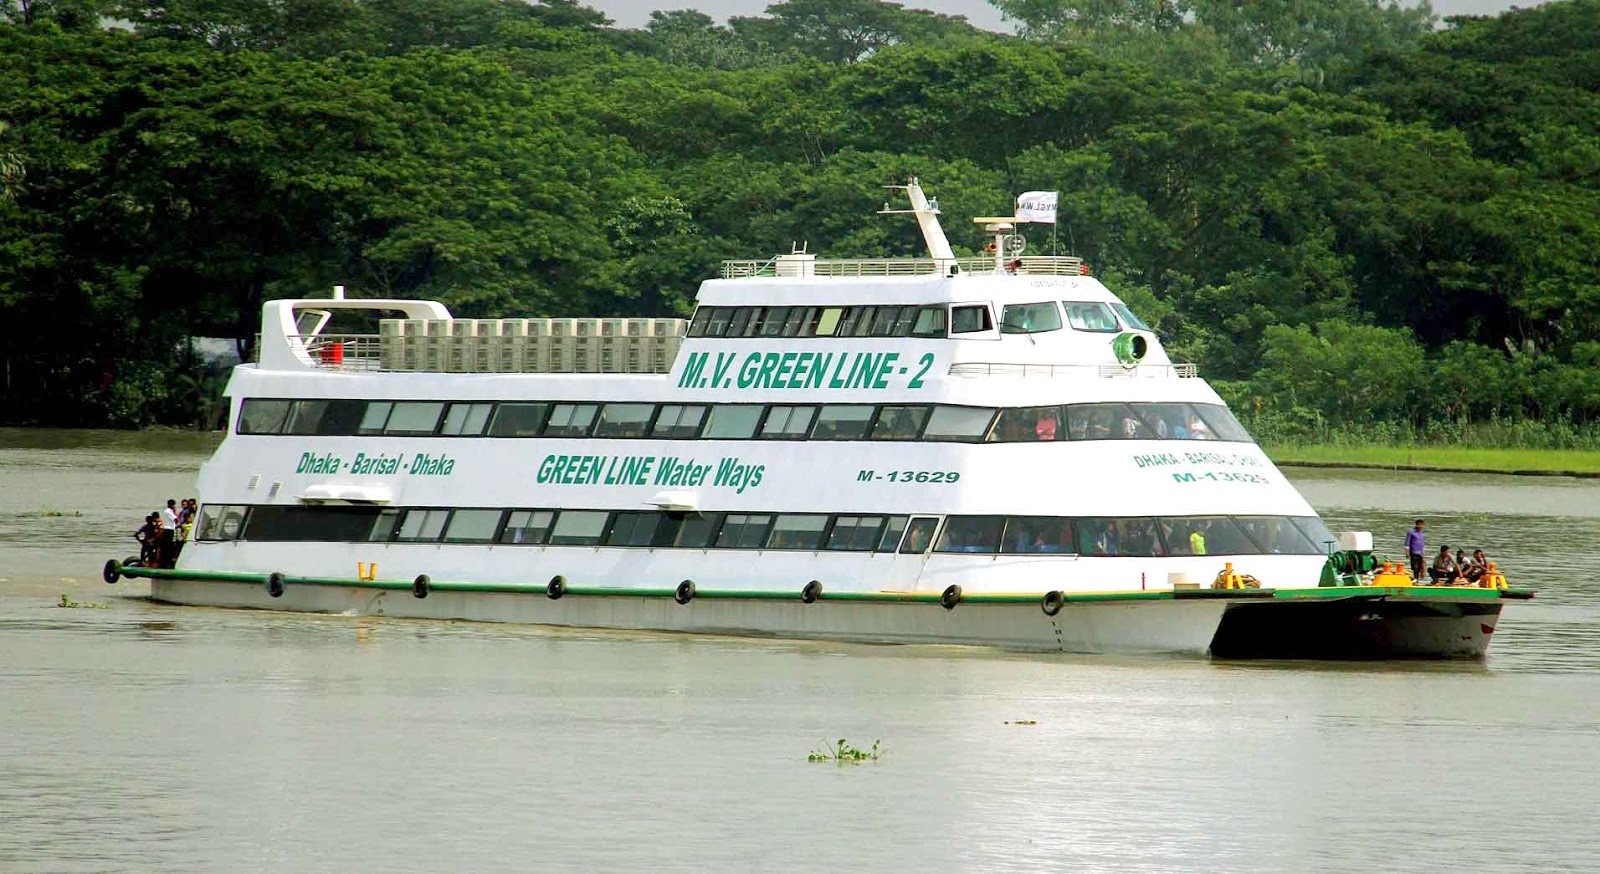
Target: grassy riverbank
[(1582, 462)]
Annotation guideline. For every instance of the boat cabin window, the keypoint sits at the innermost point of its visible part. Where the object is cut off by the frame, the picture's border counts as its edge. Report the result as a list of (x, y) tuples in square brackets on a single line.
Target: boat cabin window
[(892, 529), (788, 423), (823, 323), (571, 420), (889, 321), (942, 423), (857, 533), (1222, 423), (1279, 536), (423, 525), (797, 318), (263, 416), (739, 321), (1111, 421), (221, 522), (527, 526), (472, 526), (1038, 534), (624, 420), (767, 321), (327, 417), (733, 421), (1030, 318), (919, 535), (578, 527), (843, 422), (1090, 316), (679, 421), (971, 534), (1119, 537), (416, 418), (1213, 535), (861, 320), (796, 531), (1205, 535), (930, 323), (1028, 424), (518, 420), (302, 523), (465, 420), (1128, 317), (959, 424), (689, 530), (899, 423), (1314, 529), (1168, 421), (970, 319), (383, 525), (743, 531), (633, 529)]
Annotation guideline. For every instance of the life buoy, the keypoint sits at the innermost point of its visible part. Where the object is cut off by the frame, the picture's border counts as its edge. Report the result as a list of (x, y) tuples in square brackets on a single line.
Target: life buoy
[(685, 592), (556, 588), (112, 571), (951, 597), (811, 592), (1052, 602), (275, 584), (420, 586)]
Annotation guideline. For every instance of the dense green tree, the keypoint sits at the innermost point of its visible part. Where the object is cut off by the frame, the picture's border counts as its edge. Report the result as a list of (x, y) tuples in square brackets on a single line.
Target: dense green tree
[(1344, 219)]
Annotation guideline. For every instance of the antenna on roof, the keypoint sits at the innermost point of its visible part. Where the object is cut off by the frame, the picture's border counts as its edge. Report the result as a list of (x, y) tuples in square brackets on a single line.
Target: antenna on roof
[(927, 214)]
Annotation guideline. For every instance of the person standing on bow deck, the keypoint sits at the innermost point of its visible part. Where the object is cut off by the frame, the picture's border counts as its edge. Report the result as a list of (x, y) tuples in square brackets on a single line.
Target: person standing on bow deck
[(1417, 550)]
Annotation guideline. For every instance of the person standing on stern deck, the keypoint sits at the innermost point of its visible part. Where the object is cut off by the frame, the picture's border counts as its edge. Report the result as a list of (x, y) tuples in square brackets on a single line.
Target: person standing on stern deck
[(1416, 549)]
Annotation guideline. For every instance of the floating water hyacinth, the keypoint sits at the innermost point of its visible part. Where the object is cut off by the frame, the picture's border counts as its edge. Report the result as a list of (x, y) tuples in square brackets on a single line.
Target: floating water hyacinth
[(841, 752)]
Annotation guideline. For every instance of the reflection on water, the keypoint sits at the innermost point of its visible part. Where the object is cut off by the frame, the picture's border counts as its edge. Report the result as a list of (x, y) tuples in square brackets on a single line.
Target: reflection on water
[(141, 737)]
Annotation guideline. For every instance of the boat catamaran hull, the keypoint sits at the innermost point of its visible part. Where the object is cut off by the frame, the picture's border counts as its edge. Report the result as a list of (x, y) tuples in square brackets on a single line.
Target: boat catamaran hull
[(1328, 623), (989, 451)]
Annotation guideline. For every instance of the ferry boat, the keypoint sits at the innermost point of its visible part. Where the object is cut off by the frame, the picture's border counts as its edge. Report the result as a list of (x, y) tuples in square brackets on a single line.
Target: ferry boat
[(990, 450)]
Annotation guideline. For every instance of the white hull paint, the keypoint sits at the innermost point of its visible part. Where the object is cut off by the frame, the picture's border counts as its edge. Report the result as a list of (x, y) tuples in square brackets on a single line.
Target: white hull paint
[(1181, 627)]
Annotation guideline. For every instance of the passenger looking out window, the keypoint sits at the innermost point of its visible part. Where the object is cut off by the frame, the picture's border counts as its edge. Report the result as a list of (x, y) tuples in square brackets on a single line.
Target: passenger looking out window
[(971, 534), (919, 535)]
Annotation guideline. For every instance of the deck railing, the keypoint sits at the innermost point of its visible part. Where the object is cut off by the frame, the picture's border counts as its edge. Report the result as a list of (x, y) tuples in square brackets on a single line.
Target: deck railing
[(1035, 265), (341, 351), (1101, 371)]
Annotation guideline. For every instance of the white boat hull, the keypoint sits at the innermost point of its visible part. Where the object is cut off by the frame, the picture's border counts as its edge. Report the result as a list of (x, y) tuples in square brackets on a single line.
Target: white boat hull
[(1097, 627), (1360, 624)]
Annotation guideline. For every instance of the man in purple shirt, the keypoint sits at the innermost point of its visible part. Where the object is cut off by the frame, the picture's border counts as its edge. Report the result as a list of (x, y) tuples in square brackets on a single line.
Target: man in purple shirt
[(1416, 550)]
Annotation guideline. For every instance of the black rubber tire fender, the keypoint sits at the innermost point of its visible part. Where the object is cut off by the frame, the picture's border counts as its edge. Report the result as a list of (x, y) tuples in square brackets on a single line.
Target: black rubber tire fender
[(556, 587), (275, 583), (1052, 602), (685, 592), (421, 586), (951, 597), (112, 571), (812, 592)]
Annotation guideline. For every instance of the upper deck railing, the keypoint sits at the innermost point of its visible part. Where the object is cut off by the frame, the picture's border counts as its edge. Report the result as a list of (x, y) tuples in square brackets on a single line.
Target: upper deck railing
[(1102, 371), (1036, 265), (498, 346)]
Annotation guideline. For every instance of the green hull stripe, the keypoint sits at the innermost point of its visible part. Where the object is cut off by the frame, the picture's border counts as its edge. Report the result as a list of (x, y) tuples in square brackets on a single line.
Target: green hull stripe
[(1403, 593)]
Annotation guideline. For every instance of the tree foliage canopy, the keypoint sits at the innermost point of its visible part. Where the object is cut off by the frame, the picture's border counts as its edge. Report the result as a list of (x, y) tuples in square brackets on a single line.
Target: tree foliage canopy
[(1336, 210)]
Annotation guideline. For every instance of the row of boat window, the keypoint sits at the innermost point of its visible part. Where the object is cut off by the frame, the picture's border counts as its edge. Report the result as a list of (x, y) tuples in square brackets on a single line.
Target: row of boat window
[(910, 320), (940, 423), (1059, 535)]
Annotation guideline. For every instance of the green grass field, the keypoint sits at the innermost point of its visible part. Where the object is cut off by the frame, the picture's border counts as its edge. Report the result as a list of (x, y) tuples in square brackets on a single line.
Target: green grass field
[(1580, 461)]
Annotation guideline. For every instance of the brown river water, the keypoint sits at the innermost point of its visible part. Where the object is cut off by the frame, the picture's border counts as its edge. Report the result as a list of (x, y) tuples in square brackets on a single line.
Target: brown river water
[(141, 737)]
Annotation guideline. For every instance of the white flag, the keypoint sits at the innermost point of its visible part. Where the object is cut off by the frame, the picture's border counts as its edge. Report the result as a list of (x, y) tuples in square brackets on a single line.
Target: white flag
[(1037, 206)]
